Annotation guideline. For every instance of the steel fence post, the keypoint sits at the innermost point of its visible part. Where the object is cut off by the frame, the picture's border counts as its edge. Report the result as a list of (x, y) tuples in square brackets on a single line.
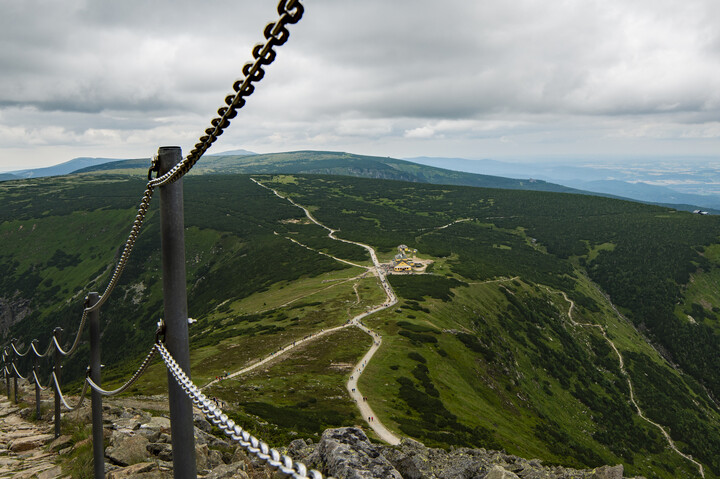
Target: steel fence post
[(36, 370), (95, 365), (12, 352), (56, 369), (177, 341), (6, 371)]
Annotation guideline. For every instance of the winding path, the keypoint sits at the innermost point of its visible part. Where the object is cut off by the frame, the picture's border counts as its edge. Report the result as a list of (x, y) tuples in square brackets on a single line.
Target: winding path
[(670, 442), (391, 299)]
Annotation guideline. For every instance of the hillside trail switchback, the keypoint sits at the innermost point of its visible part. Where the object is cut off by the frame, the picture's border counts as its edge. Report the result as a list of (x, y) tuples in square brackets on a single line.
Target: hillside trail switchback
[(391, 299), (601, 328)]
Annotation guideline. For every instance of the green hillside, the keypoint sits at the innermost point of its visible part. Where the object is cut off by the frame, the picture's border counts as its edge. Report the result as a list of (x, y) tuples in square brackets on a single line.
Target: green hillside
[(337, 163), (486, 351)]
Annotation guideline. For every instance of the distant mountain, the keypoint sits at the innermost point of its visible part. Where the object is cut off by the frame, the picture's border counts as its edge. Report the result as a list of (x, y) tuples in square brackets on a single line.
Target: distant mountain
[(347, 164), (238, 152), (647, 193), (579, 177), (61, 169)]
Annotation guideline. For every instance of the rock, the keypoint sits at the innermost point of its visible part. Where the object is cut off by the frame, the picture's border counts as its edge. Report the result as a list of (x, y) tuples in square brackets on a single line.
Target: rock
[(346, 453), (157, 423), (498, 472), (50, 473), (143, 470), (228, 471), (162, 450), (609, 472), (202, 423), (201, 456), (61, 443), (127, 450), (215, 458), (29, 442)]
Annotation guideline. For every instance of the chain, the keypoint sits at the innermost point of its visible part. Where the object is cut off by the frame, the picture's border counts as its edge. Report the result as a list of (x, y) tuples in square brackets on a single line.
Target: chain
[(37, 381), (17, 373), (283, 463), (62, 398), (130, 382), (22, 355), (276, 34)]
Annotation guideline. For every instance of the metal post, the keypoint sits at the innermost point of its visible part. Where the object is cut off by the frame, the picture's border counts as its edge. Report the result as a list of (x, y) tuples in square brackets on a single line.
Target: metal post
[(177, 342), (15, 376), (36, 370), (97, 419), (6, 371), (56, 370)]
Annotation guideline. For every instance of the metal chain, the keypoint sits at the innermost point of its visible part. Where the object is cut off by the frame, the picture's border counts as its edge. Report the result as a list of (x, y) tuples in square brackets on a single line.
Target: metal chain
[(22, 355), (62, 398), (37, 381), (19, 376), (130, 382), (276, 34), (281, 462)]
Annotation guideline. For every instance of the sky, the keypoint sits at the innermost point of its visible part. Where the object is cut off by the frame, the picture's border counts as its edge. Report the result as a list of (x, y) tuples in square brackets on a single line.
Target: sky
[(527, 80)]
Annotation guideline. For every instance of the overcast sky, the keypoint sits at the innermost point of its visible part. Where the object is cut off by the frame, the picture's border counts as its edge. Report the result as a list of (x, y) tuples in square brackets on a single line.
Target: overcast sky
[(527, 79)]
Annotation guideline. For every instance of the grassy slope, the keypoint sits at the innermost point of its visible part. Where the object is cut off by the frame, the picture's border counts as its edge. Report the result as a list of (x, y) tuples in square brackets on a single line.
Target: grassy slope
[(505, 364)]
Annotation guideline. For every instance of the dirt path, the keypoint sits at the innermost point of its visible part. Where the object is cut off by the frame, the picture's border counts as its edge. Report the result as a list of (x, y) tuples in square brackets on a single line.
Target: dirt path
[(22, 452), (669, 440), (391, 299)]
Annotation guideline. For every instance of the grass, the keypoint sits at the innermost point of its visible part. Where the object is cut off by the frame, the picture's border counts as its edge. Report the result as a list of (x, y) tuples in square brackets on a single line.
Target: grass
[(301, 392)]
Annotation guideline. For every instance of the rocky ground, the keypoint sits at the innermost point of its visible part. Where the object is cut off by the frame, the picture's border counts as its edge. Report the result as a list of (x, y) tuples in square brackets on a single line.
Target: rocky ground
[(138, 446)]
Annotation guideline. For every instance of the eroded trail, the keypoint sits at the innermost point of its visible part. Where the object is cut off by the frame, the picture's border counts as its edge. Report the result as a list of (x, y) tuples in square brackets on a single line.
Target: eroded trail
[(669, 440)]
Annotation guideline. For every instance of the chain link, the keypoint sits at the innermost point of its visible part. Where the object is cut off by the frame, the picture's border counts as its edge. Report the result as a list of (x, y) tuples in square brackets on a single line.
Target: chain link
[(62, 398), (276, 34), (22, 355), (281, 462), (135, 377), (37, 381), (17, 373)]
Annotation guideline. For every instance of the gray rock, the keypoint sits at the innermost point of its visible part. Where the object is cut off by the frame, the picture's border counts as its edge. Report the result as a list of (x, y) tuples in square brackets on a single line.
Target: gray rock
[(162, 450), (202, 423), (609, 472), (127, 450), (346, 453), (498, 472), (144, 470), (228, 471)]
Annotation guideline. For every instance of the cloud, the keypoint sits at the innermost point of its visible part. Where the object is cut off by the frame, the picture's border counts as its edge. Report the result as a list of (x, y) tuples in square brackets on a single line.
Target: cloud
[(421, 132), (366, 75)]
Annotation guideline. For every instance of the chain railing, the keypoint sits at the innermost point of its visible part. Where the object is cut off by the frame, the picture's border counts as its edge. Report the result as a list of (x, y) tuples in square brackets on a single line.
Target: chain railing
[(276, 34), (281, 462)]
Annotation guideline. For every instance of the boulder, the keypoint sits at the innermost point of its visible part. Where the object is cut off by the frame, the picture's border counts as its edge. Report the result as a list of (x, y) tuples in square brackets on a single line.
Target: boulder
[(228, 471), (497, 472), (126, 450), (29, 442), (61, 443), (609, 472), (143, 470), (346, 453)]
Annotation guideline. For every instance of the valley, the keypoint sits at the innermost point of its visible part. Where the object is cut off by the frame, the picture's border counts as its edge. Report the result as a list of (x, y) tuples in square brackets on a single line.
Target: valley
[(505, 343)]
